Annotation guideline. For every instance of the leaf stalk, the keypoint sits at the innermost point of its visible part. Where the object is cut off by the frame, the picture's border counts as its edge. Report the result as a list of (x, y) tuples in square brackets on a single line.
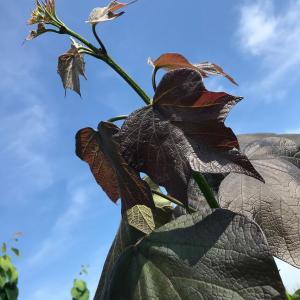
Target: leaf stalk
[(206, 190)]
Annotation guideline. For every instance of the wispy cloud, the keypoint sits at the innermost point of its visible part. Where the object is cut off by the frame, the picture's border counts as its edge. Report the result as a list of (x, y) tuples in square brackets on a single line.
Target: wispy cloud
[(273, 37), (60, 239)]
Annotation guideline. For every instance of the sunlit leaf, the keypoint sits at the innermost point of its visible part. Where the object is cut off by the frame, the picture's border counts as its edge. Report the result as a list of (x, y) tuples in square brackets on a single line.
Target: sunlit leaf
[(70, 66), (107, 13), (183, 131)]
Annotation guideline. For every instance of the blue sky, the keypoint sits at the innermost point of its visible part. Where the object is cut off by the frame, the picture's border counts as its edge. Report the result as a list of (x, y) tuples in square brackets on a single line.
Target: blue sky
[(47, 192)]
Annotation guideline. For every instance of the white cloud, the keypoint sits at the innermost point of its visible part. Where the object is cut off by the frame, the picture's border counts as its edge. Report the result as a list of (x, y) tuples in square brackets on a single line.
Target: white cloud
[(272, 36)]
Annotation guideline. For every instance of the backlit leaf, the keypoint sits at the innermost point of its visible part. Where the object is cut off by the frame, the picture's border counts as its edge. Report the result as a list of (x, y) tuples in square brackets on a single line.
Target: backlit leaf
[(183, 131), (172, 61), (100, 149), (70, 66), (141, 218), (107, 13), (4, 248), (221, 255)]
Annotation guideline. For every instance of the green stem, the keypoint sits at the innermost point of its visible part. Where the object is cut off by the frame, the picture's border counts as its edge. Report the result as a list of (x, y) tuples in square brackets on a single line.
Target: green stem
[(206, 190), (173, 200), (118, 118), (100, 55), (66, 30), (154, 78), (103, 49), (127, 78)]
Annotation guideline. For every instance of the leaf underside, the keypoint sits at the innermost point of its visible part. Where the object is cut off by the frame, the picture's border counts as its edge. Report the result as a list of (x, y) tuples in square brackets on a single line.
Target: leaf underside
[(183, 131), (275, 205), (222, 255)]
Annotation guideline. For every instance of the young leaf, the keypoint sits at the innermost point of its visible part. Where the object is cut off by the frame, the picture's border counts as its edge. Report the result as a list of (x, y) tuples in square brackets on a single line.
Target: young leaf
[(102, 147), (35, 33), (198, 260), (183, 131), (275, 205), (15, 251), (107, 13), (44, 12), (141, 218), (172, 61), (159, 201), (70, 66)]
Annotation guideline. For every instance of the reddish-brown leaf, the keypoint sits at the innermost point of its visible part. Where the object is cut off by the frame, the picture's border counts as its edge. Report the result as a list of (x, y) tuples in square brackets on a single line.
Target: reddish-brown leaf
[(88, 149), (172, 61), (183, 131), (100, 150), (70, 65)]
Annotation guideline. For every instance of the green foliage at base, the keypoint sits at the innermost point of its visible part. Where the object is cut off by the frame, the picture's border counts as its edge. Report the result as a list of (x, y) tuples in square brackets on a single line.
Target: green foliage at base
[(8, 279), (79, 290)]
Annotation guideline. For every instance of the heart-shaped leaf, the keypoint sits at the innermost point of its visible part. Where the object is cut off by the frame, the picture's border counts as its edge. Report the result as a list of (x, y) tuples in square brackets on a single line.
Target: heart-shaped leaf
[(183, 131), (70, 66), (222, 255), (107, 13)]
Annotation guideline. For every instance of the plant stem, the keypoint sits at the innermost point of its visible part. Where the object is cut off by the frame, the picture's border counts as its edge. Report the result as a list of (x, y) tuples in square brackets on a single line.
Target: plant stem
[(127, 78), (100, 55), (118, 118), (103, 49), (66, 30), (154, 78), (206, 190), (173, 200)]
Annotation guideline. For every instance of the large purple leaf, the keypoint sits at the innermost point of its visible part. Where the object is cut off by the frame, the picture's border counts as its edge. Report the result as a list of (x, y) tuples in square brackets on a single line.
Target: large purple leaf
[(183, 131)]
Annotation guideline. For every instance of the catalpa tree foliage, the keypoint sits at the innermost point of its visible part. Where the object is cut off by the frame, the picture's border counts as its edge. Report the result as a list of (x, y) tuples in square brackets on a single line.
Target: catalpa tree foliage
[(229, 206)]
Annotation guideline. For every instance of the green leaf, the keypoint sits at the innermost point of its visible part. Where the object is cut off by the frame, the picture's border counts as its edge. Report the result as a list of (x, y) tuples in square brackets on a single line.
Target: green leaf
[(3, 248), (15, 251), (158, 200), (11, 292), (141, 218), (80, 285), (126, 236), (219, 255)]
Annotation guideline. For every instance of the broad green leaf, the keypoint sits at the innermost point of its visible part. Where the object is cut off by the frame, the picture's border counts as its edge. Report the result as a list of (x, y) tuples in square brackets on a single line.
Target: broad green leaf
[(15, 251), (80, 285), (141, 218), (3, 248), (219, 255), (126, 236)]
